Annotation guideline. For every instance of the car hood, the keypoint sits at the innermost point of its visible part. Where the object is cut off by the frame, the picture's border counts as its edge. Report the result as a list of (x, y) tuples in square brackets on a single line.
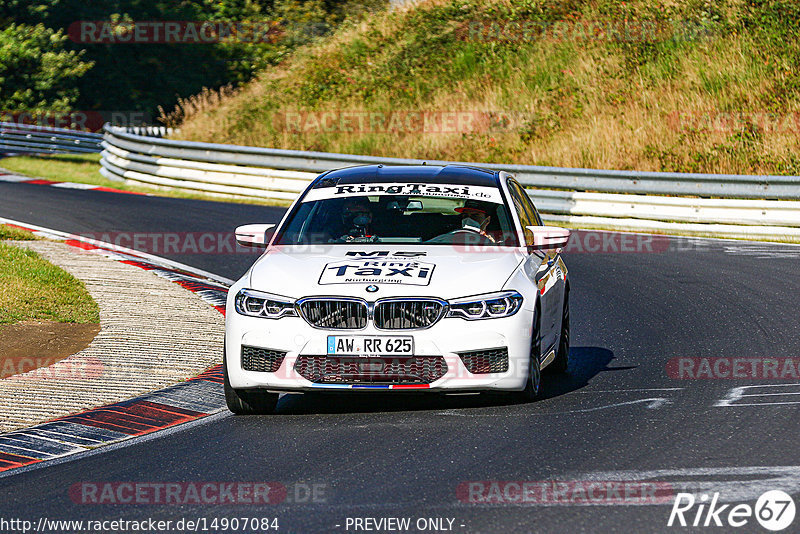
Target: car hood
[(436, 271)]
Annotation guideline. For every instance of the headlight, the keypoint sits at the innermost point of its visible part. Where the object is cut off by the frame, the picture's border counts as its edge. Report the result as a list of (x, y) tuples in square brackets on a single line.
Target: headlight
[(259, 304), (489, 306)]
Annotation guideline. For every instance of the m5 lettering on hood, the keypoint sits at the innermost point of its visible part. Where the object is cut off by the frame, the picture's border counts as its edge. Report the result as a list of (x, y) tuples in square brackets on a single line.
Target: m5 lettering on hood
[(383, 254), (377, 272)]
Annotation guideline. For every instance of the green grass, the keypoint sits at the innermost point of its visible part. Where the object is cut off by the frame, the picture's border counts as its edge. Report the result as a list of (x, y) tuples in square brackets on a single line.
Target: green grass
[(15, 234), (84, 169), (34, 289)]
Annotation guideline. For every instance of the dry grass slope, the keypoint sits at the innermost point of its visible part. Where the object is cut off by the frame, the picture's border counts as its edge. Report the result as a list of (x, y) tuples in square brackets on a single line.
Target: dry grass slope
[(693, 86)]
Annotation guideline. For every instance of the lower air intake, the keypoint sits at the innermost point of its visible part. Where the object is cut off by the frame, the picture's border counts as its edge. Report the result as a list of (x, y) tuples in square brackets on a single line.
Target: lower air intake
[(485, 361), (414, 370), (261, 360)]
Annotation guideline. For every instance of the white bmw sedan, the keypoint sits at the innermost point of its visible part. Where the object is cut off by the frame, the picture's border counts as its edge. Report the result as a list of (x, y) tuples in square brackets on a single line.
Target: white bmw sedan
[(399, 279)]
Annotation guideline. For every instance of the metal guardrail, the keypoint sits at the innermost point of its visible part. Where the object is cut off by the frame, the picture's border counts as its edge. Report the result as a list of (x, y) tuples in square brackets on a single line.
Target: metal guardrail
[(25, 138), (762, 206), (663, 183), (150, 131)]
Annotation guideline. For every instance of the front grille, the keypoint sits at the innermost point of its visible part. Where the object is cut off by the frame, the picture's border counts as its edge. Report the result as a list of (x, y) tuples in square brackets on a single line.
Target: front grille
[(335, 313), (413, 370), (261, 360), (486, 361), (407, 314)]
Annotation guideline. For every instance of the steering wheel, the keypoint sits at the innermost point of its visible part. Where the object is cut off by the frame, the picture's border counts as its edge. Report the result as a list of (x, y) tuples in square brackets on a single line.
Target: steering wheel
[(450, 237)]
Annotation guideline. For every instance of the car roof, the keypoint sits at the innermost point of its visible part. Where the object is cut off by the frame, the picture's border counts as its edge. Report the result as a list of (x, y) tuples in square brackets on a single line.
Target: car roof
[(434, 174)]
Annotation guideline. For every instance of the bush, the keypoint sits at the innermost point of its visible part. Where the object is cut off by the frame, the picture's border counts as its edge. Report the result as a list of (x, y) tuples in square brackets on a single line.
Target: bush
[(37, 73)]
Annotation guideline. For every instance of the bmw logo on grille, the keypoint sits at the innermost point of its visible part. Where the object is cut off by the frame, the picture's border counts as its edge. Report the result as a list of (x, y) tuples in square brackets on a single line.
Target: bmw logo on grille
[(372, 289)]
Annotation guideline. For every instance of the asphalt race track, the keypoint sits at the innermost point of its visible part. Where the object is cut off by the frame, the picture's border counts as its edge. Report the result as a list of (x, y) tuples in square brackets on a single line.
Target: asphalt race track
[(618, 415)]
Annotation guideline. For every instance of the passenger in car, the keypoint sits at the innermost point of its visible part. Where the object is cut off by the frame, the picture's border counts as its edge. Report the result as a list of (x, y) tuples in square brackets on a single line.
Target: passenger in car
[(476, 218), (357, 219)]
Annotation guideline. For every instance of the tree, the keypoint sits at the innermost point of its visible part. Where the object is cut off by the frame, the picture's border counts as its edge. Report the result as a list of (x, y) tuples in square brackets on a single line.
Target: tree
[(130, 77), (142, 77), (37, 73)]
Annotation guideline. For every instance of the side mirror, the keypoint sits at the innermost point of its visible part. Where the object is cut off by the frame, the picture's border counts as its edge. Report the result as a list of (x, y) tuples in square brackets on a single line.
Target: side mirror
[(254, 235), (548, 237)]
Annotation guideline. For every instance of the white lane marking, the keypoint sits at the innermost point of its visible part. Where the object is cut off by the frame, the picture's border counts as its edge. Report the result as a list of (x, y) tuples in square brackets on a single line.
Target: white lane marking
[(738, 393), (158, 260), (693, 480), (732, 243), (763, 251), (772, 394), (629, 390), (748, 487), (696, 481), (73, 185), (74, 434), (652, 403), (765, 403), (44, 447), (14, 178), (222, 413)]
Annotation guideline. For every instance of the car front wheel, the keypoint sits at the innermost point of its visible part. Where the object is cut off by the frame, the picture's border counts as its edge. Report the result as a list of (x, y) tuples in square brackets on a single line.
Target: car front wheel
[(246, 401), (561, 361), (531, 390)]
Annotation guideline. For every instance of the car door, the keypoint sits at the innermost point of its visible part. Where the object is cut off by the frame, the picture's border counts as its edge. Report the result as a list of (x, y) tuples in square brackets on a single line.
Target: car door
[(544, 267)]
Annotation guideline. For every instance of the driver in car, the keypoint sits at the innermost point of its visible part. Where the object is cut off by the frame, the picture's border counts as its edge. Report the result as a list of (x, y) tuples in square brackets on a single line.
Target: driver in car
[(476, 218), (356, 220)]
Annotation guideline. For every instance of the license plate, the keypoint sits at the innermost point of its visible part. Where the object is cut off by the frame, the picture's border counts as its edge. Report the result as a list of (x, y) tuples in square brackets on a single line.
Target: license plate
[(370, 345)]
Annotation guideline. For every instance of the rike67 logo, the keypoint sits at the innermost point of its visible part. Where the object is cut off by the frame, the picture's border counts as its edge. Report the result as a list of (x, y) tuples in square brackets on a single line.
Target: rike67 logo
[(774, 510)]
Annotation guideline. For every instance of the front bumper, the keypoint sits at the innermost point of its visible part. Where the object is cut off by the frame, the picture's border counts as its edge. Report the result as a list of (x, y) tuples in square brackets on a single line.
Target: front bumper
[(447, 338)]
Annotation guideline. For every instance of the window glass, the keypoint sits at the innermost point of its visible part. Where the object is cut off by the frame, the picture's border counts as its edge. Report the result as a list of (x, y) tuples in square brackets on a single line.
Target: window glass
[(529, 207), (402, 219), (526, 216)]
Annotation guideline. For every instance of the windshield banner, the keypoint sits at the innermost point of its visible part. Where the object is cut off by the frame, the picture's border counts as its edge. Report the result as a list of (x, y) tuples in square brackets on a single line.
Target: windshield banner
[(488, 194)]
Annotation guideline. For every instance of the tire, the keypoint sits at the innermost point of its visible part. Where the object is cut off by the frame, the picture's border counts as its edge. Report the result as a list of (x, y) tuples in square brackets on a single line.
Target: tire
[(534, 381), (246, 401), (561, 361)]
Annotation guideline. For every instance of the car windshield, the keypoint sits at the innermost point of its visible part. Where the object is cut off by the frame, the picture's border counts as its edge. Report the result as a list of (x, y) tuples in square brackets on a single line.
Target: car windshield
[(401, 219)]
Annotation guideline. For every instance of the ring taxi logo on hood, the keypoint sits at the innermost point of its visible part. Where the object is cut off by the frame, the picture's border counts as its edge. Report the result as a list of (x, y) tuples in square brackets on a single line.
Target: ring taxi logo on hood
[(412, 273)]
